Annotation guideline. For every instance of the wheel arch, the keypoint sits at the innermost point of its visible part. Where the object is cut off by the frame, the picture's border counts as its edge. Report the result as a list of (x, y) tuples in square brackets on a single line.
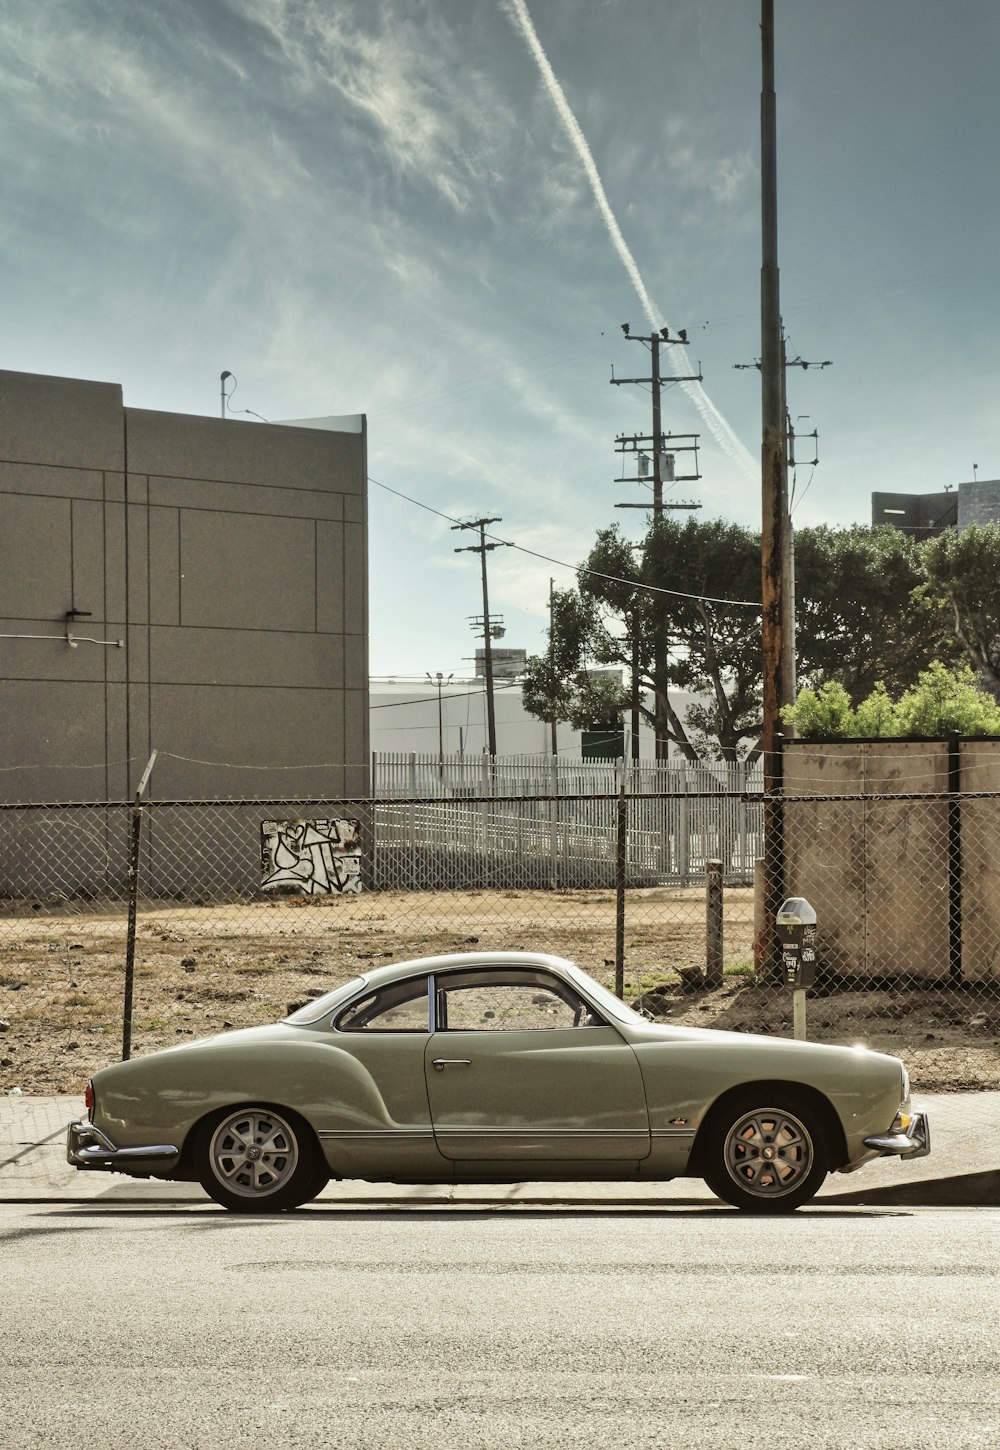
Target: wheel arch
[(185, 1164), (778, 1088)]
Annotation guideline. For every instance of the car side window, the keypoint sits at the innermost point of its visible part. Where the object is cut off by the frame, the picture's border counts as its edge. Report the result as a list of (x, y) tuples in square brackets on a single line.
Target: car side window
[(512, 1007), (401, 1007)]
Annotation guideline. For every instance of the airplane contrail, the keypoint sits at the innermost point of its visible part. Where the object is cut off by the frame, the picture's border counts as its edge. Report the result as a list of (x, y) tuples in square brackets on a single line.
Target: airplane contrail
[(716, 423)]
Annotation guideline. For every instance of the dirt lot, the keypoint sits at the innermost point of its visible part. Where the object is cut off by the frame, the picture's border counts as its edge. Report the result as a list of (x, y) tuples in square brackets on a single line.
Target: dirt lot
[(205, 968)]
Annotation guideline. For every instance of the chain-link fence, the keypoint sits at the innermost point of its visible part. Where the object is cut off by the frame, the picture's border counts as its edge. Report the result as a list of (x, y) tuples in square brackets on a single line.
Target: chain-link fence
[(242, 909)]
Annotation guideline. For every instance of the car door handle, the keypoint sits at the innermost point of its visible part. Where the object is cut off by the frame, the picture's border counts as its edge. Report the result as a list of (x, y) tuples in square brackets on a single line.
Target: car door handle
[(440, 1063)]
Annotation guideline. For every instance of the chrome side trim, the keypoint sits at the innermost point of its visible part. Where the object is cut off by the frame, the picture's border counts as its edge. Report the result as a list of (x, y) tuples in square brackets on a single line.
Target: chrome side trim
[(914, 1144), (480, 1132), (90, 1147), (672, 1132), (395, 1134)]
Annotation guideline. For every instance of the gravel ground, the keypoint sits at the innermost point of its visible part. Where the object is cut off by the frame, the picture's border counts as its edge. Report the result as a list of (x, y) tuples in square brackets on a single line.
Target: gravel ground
[(205, 968)]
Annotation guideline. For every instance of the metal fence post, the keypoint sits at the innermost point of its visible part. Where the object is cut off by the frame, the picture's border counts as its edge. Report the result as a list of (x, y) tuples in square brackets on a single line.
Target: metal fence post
[(621, 820), (133, 909), (713, 923), (554, 826)]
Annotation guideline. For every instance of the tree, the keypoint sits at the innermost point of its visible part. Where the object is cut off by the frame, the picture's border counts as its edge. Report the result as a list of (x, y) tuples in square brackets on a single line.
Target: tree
[(963, 578), (612, 619), (861, 616)]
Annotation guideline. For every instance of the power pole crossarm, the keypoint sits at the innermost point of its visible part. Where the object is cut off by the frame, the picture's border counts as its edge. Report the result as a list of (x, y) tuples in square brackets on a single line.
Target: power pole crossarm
[(662, 448)]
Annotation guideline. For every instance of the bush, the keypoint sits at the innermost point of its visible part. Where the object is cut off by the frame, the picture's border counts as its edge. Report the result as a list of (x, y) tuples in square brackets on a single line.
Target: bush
[(942, 702)]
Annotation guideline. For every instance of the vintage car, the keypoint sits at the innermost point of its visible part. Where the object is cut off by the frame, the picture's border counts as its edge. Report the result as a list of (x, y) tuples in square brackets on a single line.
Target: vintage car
[(493, 1067)]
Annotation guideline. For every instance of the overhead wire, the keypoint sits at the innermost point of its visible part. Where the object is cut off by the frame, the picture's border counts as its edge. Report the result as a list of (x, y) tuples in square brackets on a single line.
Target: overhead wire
[(578, 569)]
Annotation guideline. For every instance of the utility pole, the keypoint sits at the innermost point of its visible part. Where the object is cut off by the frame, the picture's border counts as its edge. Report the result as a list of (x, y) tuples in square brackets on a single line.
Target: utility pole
[(482, 549), (774, 473), (552, 595), (663, 464), (789, 435), (440, 681)]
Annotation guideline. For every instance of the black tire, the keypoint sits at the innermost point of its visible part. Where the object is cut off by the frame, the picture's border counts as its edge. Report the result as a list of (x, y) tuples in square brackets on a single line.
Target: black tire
[(257, 1159), (321, 1178), (765, 1153)]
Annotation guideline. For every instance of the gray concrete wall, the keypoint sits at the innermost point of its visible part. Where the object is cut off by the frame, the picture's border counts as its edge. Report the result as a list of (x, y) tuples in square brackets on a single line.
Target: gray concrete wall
[(231, 560), (978, 502), (875, 870), (879, 871)]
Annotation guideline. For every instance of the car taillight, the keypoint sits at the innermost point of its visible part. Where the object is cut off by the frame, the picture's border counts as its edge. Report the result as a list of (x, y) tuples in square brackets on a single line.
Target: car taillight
[(88, 1100)]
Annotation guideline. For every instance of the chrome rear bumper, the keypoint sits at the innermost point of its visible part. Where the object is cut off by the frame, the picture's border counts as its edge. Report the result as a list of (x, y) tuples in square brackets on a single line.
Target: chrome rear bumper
[(90, 1147), (914, 1142)]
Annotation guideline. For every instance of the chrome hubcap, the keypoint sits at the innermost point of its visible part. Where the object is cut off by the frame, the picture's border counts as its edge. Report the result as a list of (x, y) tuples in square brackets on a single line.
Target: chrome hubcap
[(253, 1153), (768, 1152)]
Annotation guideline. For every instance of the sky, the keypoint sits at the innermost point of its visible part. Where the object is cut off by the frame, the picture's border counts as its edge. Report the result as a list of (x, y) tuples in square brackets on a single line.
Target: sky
[(439, 212)]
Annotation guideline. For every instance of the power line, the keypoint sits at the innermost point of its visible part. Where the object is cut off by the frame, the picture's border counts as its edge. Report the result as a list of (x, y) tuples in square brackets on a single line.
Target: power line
[(577, 569)]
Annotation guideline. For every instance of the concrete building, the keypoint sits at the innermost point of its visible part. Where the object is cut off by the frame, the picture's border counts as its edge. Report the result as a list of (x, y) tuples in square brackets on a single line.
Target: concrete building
[(192, 585), (925, 515), (404, 717)]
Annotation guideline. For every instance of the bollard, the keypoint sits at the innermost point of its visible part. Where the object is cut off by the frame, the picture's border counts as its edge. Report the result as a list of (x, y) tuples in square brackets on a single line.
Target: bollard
[(713, 924)]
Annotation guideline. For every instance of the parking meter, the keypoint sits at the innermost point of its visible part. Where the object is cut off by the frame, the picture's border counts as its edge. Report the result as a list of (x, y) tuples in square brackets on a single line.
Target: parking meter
[(796, 923)]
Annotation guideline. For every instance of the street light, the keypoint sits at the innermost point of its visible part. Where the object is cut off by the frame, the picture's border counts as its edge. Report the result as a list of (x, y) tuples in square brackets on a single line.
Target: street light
[(439, 680)]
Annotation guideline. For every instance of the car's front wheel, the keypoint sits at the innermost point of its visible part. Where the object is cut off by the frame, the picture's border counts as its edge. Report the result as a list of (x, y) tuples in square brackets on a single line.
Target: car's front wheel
[(256, 1160), (766, 1154)]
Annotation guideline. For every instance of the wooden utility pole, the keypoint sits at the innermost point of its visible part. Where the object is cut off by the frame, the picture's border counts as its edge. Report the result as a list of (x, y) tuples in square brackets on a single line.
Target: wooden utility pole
[(482, 549), (774, 472), (660, 448), (774, 499)]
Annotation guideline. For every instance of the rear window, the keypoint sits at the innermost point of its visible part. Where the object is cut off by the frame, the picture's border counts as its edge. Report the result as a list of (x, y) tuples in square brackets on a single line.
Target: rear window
[(313, 1011)]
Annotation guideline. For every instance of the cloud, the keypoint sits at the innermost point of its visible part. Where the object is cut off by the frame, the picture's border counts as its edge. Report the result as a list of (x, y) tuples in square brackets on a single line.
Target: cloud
[(720, 428), (406, 78)]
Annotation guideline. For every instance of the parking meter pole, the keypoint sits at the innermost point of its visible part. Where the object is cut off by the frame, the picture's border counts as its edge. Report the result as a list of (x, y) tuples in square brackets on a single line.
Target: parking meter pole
[(799, 1014)]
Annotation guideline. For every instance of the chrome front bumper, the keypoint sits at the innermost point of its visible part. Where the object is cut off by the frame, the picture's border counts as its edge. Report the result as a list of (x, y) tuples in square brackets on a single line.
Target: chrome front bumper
[(90, 1147), (911, 1142)]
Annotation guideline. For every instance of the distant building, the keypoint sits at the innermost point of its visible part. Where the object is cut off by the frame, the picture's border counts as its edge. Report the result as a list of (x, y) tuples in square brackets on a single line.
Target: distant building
[(508, 664), (404, 718), (922, 515), (925, 515)]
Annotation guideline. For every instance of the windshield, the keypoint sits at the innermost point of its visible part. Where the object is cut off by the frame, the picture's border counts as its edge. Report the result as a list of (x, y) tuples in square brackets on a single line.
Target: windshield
[(603, 998), (313, 1011)]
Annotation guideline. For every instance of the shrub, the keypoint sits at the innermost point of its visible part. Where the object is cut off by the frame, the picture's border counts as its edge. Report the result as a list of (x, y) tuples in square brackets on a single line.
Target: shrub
[(942, 702)]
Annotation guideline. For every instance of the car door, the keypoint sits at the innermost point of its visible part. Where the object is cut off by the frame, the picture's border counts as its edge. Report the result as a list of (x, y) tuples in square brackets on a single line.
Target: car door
[(521, 1068), (384, 1128)]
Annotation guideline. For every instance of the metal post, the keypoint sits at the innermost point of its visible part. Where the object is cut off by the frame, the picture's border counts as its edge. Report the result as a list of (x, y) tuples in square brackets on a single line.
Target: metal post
[(554, 826), (799, 1014), (620, 867), (133, 908), (713, 924)]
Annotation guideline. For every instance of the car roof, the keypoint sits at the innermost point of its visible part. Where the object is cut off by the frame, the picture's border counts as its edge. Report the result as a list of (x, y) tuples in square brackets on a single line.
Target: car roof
[(463, 961)]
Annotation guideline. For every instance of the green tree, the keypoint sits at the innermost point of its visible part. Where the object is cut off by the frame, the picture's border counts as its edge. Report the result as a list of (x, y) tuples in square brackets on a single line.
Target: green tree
[(864, 616), (861, 616), (613, 618), (963, 579)]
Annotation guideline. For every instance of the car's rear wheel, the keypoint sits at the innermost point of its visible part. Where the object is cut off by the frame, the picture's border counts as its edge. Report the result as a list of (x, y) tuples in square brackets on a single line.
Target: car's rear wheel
[(257, 1160), (766, 1154)]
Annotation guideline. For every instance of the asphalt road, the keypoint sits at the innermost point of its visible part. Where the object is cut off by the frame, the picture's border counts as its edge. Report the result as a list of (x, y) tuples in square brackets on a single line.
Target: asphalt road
[(187, 1327)]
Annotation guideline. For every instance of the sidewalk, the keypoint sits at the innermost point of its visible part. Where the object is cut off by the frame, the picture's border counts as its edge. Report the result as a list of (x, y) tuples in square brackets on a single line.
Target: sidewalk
[(962, 1170)]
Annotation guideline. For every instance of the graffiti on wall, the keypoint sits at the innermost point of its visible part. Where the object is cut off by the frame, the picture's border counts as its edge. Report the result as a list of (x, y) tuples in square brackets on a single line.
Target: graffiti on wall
[(316, 858)]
